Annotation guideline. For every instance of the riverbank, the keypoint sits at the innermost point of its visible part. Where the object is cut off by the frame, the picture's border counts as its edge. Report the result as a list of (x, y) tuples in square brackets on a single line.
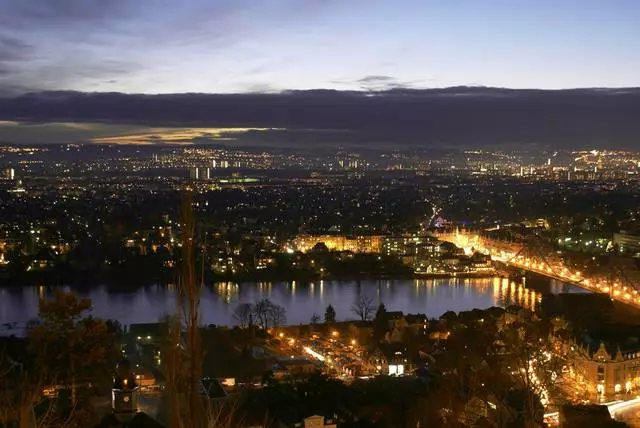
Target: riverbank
[(82, 279), (87, 280), (446, 275)]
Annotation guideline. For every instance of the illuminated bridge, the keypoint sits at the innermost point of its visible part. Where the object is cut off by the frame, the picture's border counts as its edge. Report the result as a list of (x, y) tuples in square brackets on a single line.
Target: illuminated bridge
[(534, 255)]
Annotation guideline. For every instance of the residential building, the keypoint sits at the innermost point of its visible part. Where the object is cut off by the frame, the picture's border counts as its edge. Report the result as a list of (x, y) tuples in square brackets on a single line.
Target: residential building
[(286, 367), (627, 242), (356, 244), (609, 369)]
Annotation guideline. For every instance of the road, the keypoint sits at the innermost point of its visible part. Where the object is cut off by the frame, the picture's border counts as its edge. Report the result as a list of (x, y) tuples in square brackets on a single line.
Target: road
[(337, 355), (627, 411)]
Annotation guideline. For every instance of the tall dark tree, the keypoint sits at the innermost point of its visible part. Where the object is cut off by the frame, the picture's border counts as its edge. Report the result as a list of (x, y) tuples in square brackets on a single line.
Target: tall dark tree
[(330, 315), (76, 348), (380, 322), (190, 290), (183, 364), (79, 346)]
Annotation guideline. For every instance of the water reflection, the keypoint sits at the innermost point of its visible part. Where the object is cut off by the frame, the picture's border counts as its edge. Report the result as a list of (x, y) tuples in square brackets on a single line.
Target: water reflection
[(227, 291), (515, 293), (148, 304)]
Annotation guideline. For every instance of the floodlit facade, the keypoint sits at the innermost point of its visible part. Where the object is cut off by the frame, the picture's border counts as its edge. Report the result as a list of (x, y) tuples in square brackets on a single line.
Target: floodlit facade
[(606, 371), (356, 244)]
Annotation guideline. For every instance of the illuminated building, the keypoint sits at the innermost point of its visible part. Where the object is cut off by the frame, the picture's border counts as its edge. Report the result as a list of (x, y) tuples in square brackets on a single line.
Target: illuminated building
[(412, 249), (627, 242), (608, 370), (317, 421), (390, 359), (396, 245), (357, 244), (286, 367), (200, 173)]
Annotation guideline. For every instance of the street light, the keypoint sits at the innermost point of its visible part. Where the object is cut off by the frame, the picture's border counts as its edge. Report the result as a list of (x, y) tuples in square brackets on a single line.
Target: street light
[(334, 333), (353, 342)]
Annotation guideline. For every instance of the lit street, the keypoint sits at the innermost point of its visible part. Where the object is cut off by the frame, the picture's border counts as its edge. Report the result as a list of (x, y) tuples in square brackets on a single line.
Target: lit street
[(343, 359), (627, 411)]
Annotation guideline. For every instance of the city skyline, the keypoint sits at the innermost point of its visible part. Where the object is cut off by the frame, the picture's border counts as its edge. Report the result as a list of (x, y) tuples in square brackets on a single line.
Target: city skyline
[(319, 213)]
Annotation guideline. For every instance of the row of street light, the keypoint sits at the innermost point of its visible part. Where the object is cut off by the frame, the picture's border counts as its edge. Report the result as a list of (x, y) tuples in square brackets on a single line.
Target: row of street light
[(561, 272)]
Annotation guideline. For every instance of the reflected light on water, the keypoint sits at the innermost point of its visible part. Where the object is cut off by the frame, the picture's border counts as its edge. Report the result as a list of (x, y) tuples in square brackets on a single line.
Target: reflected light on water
[(227, 290), (509, 293), (432, 297)]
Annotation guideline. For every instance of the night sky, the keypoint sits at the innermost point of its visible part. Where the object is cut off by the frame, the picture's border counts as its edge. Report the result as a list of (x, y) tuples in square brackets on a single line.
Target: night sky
[(388, 51)]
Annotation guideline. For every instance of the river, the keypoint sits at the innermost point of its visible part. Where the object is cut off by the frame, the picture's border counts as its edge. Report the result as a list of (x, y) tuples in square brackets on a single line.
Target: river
[(148, 304)]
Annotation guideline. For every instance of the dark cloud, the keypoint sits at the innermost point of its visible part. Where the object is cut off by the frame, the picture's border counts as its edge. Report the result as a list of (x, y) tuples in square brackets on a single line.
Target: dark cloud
[(385, 83), (292, 138), (464, 115), (375, 79), (12, 50)]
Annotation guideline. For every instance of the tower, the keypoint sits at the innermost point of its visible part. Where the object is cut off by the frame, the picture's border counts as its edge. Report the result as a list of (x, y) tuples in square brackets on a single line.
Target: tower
[(125, 393)]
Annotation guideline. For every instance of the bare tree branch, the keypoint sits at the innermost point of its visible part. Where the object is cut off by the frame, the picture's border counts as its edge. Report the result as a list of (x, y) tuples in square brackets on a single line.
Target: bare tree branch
[(363, 307)]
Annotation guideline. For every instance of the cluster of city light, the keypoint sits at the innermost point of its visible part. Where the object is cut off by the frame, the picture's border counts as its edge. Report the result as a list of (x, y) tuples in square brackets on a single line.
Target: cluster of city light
[(326, 355), (562, 272), (472, 243)]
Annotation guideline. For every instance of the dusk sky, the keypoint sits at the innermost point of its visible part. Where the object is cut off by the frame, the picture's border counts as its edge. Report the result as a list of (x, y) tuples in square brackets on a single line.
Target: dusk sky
[(257, 51), (222, 46)]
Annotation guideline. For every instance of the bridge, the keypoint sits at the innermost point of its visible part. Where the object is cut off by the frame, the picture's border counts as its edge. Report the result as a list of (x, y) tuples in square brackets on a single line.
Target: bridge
[(534, 255)]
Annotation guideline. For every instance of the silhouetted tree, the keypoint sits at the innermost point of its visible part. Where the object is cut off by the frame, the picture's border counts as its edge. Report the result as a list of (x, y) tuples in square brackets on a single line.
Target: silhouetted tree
[(80, 347), (268, 314), (363, 307), (277, 315), (75, 348), (330, 315), (261, 313), (380, 322), (242, 314), (315, 319)]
